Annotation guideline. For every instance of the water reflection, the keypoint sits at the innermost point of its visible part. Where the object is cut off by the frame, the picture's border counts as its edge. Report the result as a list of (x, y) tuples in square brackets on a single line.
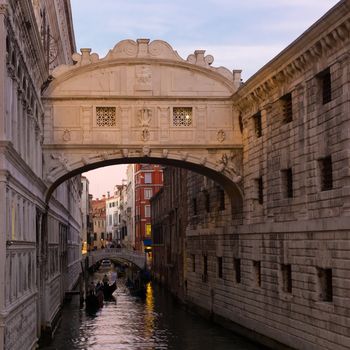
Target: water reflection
[(131, 323), (149, 313)]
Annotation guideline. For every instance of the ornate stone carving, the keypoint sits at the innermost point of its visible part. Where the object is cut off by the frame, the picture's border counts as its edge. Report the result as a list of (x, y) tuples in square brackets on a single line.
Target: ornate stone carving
[(199, 59), (62, 160), (125, 152), (184, 155), (143, 48), (145, 116), (66, 135), (146, 150), (231, 163), (86, 57), (165, 153), (145, 134), (103, 155), (125, 48), (85, 160), (220, 136), (143, 78)]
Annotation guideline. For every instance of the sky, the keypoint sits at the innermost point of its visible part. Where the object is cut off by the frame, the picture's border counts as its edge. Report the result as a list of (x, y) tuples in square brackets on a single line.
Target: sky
[(239, 34)]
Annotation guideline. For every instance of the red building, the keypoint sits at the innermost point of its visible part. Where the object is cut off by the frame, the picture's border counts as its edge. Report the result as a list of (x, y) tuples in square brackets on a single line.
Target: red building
[(148, 181)]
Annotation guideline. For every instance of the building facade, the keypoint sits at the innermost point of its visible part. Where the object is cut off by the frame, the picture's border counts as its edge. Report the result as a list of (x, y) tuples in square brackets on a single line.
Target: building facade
[(275, 268), (148, 181), (99, 221), (129, 239), (40, 236), (272, 261), (86, 232), (169, 215)]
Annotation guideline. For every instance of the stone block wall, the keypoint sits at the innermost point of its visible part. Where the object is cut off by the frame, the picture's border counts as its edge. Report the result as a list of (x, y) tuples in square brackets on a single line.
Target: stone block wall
[(281, 276), (260, 296)]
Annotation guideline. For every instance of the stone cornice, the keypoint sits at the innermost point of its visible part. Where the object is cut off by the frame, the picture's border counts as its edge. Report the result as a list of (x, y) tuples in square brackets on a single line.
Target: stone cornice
[(321, 39), (137, 97), (15, 159)]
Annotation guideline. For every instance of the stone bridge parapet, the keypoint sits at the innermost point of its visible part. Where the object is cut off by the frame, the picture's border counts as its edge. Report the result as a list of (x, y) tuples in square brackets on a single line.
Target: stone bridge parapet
[(135, 257)]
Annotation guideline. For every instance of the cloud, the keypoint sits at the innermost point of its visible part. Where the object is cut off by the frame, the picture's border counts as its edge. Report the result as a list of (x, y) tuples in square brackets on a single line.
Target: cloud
[(243, 34)]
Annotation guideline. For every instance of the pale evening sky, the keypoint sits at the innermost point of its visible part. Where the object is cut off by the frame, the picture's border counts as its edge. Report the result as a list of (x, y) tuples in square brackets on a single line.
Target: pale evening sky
[(239, 34)]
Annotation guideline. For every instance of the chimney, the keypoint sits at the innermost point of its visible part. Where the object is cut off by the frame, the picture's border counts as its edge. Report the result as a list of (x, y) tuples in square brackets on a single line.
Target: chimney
[(108, 194)]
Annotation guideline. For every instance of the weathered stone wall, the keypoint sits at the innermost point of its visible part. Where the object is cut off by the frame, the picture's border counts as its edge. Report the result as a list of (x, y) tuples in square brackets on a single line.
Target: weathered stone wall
[(283, 272), (169, 221), (300, 318)]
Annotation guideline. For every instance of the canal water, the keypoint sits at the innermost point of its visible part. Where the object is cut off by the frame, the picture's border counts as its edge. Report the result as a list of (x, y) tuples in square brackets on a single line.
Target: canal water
[(155, 322)]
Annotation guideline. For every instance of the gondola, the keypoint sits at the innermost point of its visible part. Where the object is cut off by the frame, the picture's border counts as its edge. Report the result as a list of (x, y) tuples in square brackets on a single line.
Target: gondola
[(91, 303), (108, 290)]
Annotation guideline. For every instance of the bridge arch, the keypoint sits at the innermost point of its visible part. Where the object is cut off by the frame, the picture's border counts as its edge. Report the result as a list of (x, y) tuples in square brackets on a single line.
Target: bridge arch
[(142, 103), (119, 254)]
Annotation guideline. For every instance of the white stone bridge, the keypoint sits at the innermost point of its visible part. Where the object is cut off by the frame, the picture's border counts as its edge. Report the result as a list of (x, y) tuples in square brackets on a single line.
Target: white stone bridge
[(120, 254), (143, 103)]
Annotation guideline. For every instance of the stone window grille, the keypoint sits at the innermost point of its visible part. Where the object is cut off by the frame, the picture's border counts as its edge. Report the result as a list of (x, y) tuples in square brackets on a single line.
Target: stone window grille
[(106, 116), (326, 85), (257, 273), (220, 267), (325, 284), (286, 270), (287, 182), (287, 109), (182, 116), (237, 269), (326, 173), (257, 124)]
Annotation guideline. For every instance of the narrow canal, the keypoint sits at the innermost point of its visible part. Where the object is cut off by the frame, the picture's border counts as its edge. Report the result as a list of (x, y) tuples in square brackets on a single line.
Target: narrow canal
[(155, 322)]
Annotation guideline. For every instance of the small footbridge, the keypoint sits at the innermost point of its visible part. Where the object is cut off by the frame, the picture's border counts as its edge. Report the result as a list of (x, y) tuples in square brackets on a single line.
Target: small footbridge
[(120, 254)]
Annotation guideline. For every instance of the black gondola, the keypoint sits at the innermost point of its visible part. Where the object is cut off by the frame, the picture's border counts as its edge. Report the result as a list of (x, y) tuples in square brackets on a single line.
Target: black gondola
[(108, 290), (91, 303)]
